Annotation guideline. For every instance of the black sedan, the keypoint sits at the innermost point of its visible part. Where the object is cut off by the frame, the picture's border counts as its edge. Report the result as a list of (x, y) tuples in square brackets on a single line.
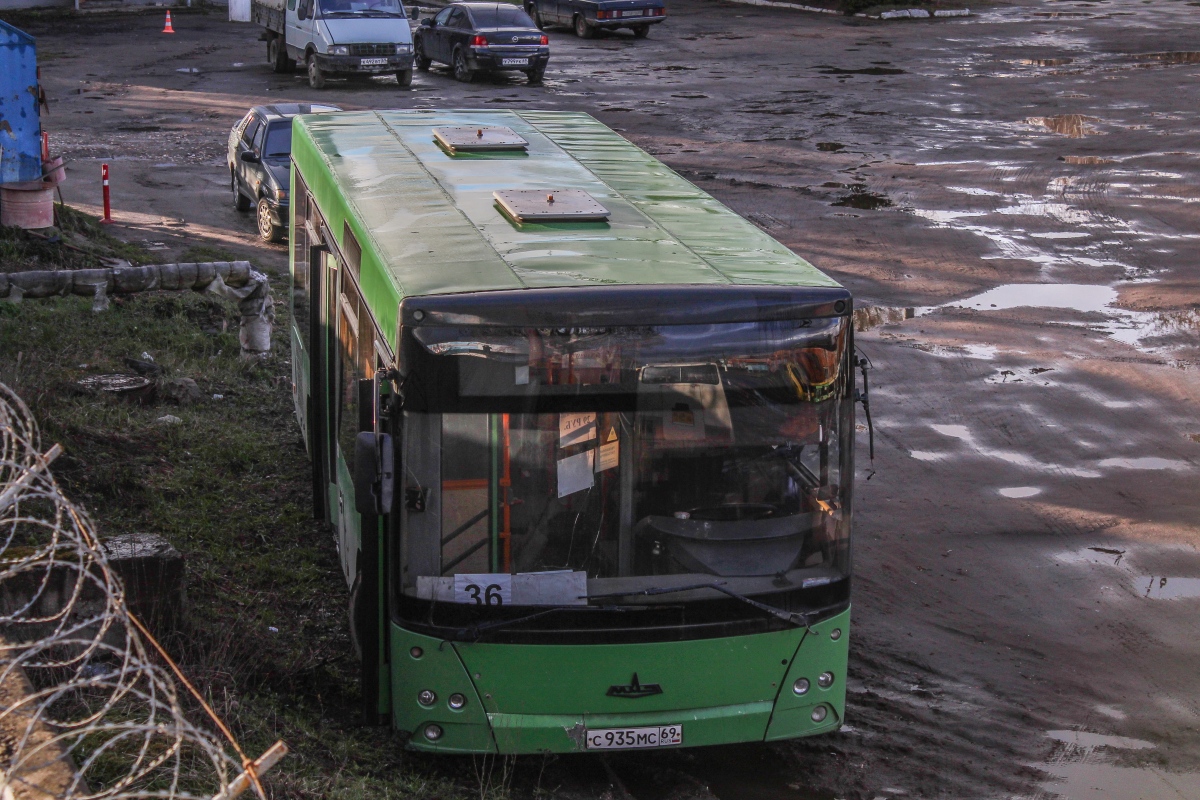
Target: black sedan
[(258, 157), (478, 37)]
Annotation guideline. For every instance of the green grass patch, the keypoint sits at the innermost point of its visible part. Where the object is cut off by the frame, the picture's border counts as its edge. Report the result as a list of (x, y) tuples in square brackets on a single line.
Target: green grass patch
[(229, 487)]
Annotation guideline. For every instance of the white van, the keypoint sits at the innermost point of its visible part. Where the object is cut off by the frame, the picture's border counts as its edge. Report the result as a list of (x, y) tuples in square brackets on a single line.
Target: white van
[(337, 38)]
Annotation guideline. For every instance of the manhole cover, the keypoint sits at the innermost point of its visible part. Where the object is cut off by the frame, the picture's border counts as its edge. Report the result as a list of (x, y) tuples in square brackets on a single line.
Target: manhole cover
[(550, 205), (480, 138), (133, 387)]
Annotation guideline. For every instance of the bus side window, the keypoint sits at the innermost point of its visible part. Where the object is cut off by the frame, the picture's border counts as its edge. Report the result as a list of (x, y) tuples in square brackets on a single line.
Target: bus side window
[(356, 357), (301, 289)]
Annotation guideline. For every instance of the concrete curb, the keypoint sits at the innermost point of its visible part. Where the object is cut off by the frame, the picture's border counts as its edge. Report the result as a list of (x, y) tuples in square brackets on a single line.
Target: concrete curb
[(908, 13), (794, 6)]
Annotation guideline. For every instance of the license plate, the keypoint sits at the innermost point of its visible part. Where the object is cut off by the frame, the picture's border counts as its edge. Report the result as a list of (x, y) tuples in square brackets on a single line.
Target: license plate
[(638, 13), (631, 738), (372, 62), (514, 62)]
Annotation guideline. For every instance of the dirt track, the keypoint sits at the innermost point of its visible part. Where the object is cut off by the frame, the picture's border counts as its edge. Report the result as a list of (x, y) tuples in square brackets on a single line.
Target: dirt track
[(1026, 555)]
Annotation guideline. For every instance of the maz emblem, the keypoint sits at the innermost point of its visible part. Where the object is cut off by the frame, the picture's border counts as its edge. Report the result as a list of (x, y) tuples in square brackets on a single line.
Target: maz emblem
[(635, 689)]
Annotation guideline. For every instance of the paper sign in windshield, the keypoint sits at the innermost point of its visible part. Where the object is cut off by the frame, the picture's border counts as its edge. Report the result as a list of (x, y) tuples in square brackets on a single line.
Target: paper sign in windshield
[(553, 588), (608, 455), (487, 589), (575, 473), (557, 588), (576, 428)]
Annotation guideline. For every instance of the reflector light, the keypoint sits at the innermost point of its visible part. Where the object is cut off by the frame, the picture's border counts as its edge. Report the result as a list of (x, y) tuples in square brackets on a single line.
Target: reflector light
[(545, 39)]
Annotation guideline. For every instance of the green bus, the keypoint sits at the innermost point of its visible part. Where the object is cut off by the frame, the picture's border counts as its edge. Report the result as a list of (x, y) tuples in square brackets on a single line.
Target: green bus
[(585, 436)]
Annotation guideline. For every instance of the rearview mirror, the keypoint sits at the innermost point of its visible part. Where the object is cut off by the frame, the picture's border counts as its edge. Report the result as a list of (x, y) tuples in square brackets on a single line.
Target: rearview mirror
[(427, 22), (374, 479), (250, 157)]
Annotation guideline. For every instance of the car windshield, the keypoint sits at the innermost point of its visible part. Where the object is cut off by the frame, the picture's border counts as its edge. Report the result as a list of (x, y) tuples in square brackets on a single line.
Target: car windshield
[(553, 464), (279, 140), (501, 16), (365, 8)]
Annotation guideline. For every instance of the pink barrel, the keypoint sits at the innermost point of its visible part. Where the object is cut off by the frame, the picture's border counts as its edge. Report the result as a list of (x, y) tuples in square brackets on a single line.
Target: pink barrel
[(54, 171), (29, 204)]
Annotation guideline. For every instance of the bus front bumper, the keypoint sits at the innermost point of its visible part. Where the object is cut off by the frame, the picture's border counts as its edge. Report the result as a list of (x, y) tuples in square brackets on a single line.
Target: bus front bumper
[(497, 698)]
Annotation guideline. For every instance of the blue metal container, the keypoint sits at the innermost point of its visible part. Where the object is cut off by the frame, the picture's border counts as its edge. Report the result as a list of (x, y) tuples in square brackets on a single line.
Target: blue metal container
[(20, 126)]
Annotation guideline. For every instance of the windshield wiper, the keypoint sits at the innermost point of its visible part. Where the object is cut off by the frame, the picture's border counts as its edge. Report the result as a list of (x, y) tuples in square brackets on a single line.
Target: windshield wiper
[(799, 620), (472, 633)]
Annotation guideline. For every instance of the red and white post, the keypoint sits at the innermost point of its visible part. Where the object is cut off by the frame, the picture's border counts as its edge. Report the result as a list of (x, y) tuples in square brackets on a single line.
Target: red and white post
[(107, 203)]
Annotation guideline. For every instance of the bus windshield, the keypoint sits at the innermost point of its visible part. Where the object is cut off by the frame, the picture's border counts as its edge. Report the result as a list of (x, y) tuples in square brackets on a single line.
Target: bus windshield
[(546, 465)]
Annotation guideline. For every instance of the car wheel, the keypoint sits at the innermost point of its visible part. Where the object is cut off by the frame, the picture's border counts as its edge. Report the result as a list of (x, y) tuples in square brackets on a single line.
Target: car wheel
[(240, 201), (268, 231), (535, 75), (531, 10), (582, 29), (404, 78), (277, 56), (316, 78), (420, 59), (641, 31), (462, 72)]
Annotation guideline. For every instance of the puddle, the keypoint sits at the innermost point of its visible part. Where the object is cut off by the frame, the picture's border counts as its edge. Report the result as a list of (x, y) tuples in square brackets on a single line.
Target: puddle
[(827, 70), (1018, 492), (830, 147), (861, 199), (1047, 62), (1181, 57), (1075, 126), (1061, 235), (1020, 375), (1106, 556), (1077, 297), (1089, 160), (1146, 462), (1159, 588), (1088, 781), (1090, 741), (962, 433)]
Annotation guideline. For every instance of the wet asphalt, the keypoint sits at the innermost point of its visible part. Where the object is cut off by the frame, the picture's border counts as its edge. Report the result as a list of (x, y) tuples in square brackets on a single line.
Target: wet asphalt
[(1012, 197)]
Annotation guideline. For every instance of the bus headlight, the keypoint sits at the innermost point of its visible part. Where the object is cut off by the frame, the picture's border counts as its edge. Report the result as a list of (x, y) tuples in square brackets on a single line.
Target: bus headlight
[(800, 686), (456, 701), (835, 634), (433, 732), (825, 680), (426, 697), (819, 714)]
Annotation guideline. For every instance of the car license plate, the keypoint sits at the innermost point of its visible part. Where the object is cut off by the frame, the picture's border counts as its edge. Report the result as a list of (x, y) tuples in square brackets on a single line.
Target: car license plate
[(514, 62), (630, 738), (638, 13), (372, 62)]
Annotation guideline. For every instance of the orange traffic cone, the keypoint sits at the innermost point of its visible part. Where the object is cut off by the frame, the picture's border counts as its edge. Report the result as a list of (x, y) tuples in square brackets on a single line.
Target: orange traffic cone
[(168, 28)]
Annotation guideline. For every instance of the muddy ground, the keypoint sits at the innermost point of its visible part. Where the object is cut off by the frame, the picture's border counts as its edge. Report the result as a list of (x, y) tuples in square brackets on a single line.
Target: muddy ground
[(1027, 572)]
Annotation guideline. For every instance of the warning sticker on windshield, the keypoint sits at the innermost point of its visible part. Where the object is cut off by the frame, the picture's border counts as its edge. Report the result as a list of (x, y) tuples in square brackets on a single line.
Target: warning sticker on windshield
[(609, 454)]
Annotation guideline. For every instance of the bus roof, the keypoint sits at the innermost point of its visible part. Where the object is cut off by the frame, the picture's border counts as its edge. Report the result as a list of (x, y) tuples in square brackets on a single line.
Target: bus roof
[(430, 223)]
